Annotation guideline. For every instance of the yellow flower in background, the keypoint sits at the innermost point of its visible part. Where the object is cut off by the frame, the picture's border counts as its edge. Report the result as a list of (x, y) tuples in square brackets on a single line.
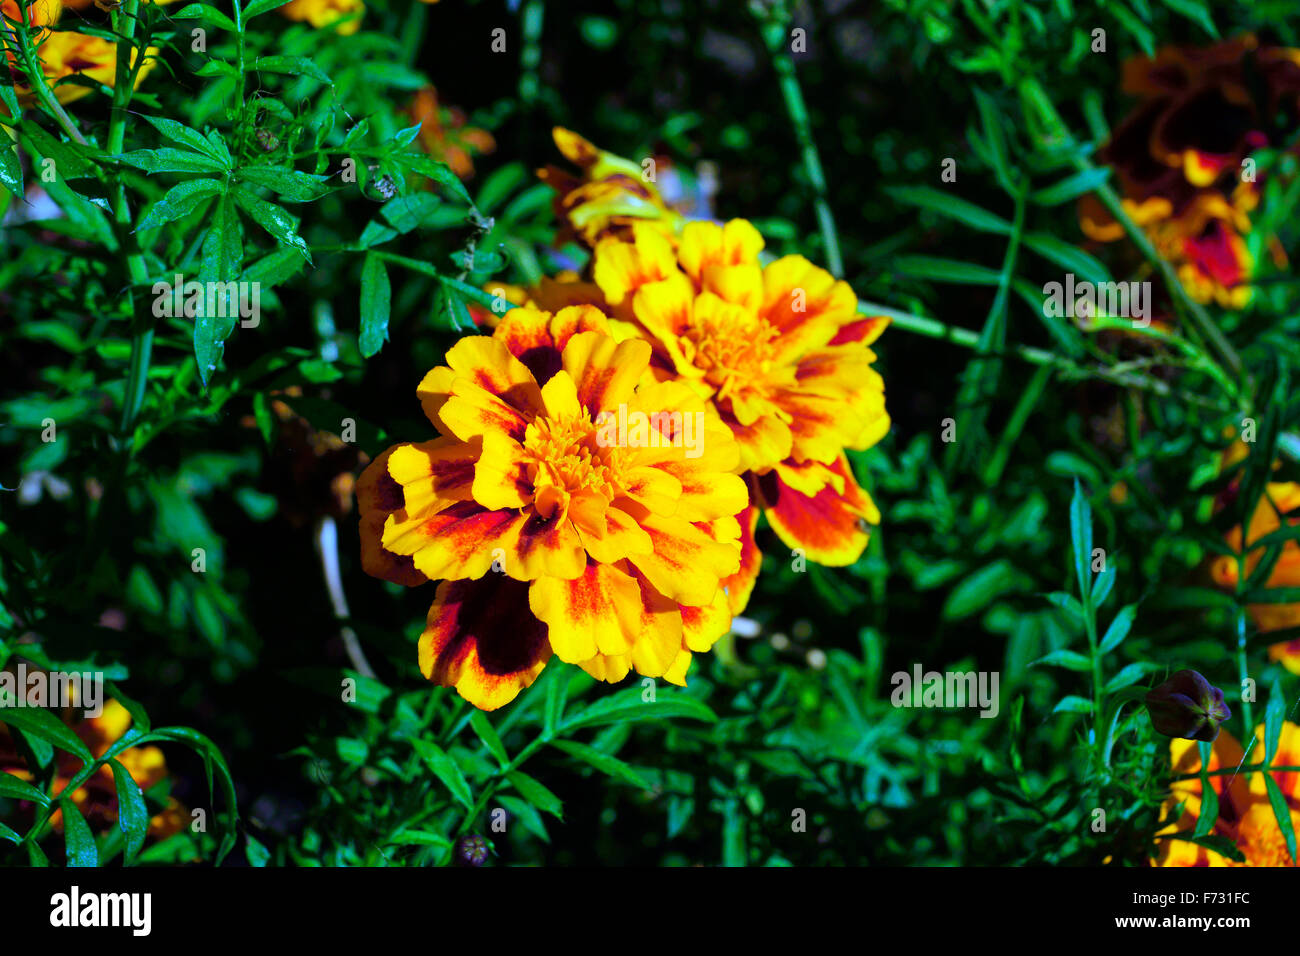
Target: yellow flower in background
[(610, 195), (780, 354), (1245, 815), (327, 13), (1201, 113), (97, 797), (1279, 504), (551, 530)]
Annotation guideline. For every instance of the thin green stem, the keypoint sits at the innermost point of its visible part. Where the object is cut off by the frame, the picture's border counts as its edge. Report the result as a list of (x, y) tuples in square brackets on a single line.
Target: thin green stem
[(776, 35), (32, 66)]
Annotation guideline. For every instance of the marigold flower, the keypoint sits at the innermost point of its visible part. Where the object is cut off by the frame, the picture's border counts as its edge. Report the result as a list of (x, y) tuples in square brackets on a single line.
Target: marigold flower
[(549, 532), (1279, 504), (444, 135), (1245, 815), (780, 353), (608, 198), (65, 54), (1179, 156), (97, 797), (327, 13)]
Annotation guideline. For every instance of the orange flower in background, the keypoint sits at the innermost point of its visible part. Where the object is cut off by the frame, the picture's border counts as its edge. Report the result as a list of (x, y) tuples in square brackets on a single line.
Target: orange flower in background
[(1245, 815), (327, 13), (1279, 504), (40, 13), (444, 135), (1179, 157), (780, 354), (552, 528), (97, 797), (610, 195)]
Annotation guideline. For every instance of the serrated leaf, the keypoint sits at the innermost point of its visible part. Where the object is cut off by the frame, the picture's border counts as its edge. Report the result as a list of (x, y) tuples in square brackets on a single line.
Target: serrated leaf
[(167, 159), (178, 202), (290, 184), (222, 256), (207, 13), (276, 220), (186, 136), (258, 7), (291, 66)]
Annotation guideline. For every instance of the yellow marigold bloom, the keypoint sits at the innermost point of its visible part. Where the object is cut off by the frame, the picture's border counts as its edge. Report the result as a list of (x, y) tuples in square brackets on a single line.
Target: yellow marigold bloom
[(444, 135), (551, 528), (65, 54), (1245, 815), (610, 195), (779, 352), (327, 13), (1280, 503), (1201, 112), (97, 797), (40, 13)]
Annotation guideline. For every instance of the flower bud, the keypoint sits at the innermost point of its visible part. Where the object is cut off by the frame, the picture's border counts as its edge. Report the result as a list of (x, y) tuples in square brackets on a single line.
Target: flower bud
[(1187, 706), (471, 850)]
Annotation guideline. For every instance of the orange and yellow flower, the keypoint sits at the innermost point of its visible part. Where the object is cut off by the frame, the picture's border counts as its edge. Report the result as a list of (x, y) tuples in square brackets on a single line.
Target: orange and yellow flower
[(548, 534), (1279, 505), (608, 197), (343, 15), (444, 135), (1245, 815), (780, 354), (97, 797), (1179, 157)]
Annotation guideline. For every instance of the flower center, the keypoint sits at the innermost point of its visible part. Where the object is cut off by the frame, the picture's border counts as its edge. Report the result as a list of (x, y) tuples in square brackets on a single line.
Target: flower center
[(733, 348), (566, 460)]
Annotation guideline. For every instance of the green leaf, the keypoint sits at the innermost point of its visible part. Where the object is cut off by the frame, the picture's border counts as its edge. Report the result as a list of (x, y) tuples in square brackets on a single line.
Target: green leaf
[(1209, 796), (1071, 187), (947, 270), (258, 7), (603, 762), (487, 733), (16, 789), (170, 160), (274, 219), (79, 841), (1081, 538), (132, 815), (291, 66), (376, 304), (1069, 256), (445, 769), (439, 173), (628, 705), (222, 255), (178, 202), (207, 13), (11, 171), (1070, 660), (536, 794), (418, 838), (1073, 705), (557, 693), (9, 834), (1119, 628), (1274, 715), (1129, 674), (180, 133), (290, 184), (946, 204), (1281, 812), (40, 723)]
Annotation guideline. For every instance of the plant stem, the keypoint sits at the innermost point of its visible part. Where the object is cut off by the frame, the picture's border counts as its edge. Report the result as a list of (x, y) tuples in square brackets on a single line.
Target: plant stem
[(36, 75), (775, 35), (141, 326)]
